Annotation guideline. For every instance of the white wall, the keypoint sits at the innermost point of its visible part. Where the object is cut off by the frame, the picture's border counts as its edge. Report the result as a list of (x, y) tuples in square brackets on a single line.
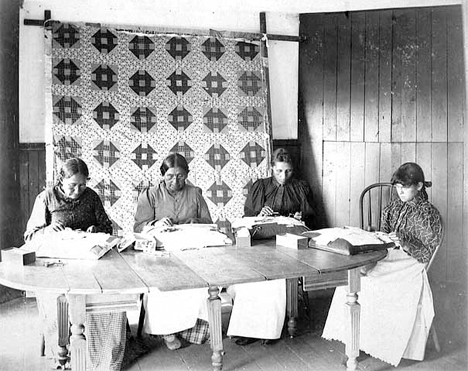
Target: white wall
[(283, 56)]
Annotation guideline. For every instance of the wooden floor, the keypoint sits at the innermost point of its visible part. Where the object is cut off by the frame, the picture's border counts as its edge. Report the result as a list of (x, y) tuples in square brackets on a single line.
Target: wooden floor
[(19, 343)]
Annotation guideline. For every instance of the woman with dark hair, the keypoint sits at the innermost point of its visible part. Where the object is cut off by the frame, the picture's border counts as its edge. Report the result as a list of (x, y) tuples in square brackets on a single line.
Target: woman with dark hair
[(260, 308), (281, 193), (173, 201), (71, 204), (395, 297)]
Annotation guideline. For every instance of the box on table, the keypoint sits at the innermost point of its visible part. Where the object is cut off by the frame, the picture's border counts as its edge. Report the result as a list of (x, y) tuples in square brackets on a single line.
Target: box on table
[(293, 241), (18, 256), (243, 238)]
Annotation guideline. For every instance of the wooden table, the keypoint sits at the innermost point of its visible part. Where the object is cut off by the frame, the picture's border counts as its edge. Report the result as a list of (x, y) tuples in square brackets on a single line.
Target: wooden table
[(115, 282)]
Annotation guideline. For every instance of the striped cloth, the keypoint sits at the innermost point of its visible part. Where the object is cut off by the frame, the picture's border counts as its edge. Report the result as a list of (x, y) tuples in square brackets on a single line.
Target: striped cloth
[(198, 334)]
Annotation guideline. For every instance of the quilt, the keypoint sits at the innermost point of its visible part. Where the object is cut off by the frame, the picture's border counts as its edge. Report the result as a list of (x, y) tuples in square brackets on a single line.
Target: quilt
[(123, 99)]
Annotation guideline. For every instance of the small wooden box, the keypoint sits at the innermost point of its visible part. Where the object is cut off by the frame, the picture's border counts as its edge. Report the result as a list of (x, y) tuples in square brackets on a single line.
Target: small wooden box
[(243, 238), (18, 256), (293, 241)]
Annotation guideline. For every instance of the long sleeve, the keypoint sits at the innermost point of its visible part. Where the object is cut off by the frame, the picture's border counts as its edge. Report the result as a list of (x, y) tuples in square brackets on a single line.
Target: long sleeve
[(144, 212), (103, 222), (203, 211), (39, 219), (418, 225), (255, 199)]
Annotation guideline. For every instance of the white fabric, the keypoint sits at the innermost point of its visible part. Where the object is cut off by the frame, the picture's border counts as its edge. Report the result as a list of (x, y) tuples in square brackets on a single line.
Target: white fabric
[(391, 295), (174, 311), (259, 309)]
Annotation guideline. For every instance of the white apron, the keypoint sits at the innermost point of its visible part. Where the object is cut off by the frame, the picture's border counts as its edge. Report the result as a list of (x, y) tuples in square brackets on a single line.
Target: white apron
[(174, 311), (396, 310), (259, 309)]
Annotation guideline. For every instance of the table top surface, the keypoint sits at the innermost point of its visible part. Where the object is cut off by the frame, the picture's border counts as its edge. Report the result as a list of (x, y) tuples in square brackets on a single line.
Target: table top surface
[(137, 272)]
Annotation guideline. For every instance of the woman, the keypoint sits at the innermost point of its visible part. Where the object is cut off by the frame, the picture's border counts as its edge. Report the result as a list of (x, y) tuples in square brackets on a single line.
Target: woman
[(260, 308), (281, 193), (174, 202), (396, 299), (71, 204)]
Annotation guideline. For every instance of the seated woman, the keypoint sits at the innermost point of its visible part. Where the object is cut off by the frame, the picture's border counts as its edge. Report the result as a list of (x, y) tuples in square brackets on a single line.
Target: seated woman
[(70, 204), (259, 308), (174, 202), (395, 297)]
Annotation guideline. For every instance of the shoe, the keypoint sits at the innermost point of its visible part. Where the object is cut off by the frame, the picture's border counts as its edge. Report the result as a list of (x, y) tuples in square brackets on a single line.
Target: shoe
[(246, 341), (172, 342), (269, 341)]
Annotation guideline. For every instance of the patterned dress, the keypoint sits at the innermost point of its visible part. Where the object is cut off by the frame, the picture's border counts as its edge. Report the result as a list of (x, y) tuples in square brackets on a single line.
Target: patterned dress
[(285, 199), (396, 300), (106, 332), (418, 225)]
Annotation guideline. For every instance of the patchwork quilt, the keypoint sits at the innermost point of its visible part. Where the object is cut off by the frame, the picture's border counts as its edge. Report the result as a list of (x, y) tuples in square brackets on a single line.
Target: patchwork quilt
[(122, 100)]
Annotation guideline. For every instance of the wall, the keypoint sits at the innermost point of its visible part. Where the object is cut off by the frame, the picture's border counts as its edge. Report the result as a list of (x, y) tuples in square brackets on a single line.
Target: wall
[(380, 88)]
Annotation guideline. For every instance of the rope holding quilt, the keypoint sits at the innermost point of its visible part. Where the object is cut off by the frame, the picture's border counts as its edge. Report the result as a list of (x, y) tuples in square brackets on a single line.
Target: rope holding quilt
[(123, 100)]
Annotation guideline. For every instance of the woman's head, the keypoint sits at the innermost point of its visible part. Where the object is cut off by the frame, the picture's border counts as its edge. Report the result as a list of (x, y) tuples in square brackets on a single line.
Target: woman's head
[(409, 180), (73, 176), (174, 169), (282, 167)]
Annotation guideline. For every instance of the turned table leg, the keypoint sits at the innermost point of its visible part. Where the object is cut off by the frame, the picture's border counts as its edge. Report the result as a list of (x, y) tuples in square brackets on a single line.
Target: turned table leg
[(216, 335), (77, 339), (63, 329), (352, 343), (291, 305)]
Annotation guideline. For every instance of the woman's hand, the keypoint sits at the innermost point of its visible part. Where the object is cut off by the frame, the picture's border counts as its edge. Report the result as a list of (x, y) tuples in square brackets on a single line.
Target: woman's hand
[(192, 221), (163, 222), (297, 215), (55, 227), (266, 211), (92, 229), (396, 240)]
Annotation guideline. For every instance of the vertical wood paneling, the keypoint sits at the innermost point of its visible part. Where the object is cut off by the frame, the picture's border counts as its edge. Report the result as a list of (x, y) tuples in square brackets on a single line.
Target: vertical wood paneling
[(408, 76), (343, 84), (455, 72), (399, 97), (439, 75), (330, 43), (397, 83), (357, 184), (439, 199), (329, 180), (424, 159), (343, 164), (24, 187), (386, 169), (385, 75), (423, 75), (371, 92), (456, 254), (358, 26)]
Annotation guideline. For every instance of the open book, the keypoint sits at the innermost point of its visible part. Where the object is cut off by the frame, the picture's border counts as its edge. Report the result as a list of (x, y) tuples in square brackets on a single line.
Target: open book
[(348, 240), (73, 244)]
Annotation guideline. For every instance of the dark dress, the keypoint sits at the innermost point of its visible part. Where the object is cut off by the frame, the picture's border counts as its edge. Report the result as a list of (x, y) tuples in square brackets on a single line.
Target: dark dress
[(52, 205), (285, 199)]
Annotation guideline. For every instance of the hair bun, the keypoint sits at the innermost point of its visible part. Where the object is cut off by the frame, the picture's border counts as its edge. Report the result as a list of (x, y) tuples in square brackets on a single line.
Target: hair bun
[(427, 184)]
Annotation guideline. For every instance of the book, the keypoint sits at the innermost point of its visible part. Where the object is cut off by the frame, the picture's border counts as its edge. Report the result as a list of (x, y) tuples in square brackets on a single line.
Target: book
[(348, 240)]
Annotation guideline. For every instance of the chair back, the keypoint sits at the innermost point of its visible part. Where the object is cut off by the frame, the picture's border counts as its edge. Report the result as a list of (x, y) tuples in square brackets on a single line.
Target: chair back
[(429, 263), (372, 201)]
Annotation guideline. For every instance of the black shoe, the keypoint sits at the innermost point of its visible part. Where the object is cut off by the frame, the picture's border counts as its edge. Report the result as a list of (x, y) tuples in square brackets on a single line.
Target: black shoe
[(246, 341)]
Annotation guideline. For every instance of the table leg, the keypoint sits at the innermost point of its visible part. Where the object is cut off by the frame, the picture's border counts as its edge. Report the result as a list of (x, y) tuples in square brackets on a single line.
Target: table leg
[(352, 343), (63, 329), (77, 339), (291, 305), (216, 334)]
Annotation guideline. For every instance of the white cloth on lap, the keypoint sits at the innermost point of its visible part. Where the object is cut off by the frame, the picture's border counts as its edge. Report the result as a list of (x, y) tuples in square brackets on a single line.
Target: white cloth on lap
[(259, 309), (390, 295)]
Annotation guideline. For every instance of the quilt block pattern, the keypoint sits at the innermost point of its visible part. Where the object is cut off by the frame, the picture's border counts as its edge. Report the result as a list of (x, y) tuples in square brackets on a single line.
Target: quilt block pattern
[(123, 100)]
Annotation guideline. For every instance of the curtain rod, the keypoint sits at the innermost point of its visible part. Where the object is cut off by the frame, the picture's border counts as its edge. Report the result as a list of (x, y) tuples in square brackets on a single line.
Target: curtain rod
[(189, 32)]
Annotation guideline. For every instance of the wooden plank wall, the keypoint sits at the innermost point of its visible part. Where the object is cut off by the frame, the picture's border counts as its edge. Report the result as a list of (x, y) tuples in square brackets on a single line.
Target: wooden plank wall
[(377, 89)]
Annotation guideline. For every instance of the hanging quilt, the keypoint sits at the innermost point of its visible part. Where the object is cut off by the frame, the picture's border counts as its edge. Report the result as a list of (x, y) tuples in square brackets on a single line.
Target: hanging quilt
[(123, 100)]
